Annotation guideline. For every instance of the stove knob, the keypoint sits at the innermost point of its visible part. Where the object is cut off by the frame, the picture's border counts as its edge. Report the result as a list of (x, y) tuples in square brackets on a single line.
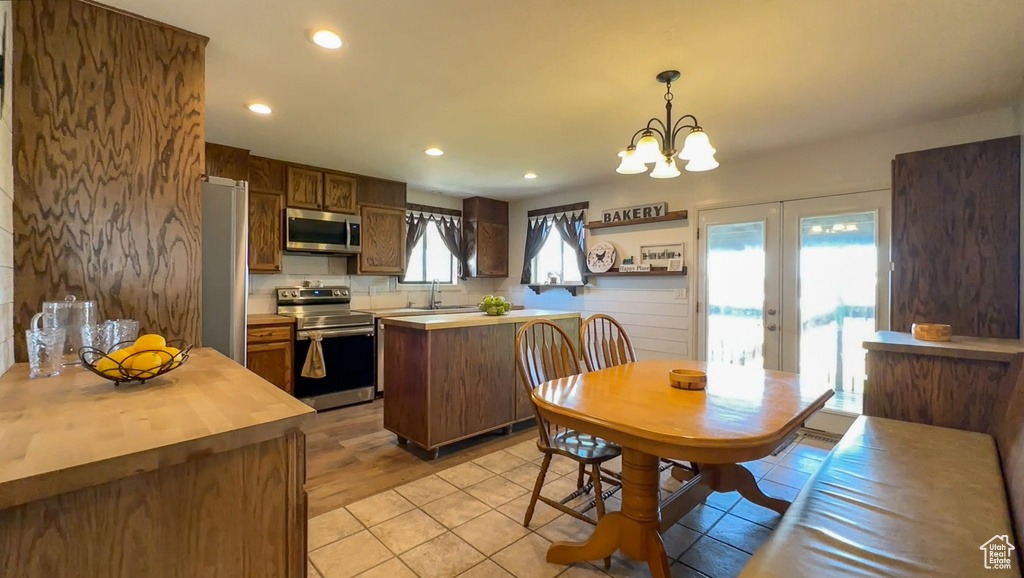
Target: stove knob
[(345, 293), (295, 293), (337, 293)]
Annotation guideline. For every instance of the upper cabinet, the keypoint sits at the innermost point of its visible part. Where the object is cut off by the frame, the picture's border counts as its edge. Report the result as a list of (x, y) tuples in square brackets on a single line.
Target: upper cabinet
[(383, 240), (266, 238), (226, 161), (266, 174), (340, 193), (485, 233), (305, 189)]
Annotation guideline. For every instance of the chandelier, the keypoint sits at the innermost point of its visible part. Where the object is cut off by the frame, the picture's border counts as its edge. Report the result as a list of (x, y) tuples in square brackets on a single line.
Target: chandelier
[(657, 143)]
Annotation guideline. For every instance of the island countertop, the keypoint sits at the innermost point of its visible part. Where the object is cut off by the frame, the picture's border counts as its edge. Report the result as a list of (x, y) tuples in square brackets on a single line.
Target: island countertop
[(77, 430), (981, 348), (459, 320)]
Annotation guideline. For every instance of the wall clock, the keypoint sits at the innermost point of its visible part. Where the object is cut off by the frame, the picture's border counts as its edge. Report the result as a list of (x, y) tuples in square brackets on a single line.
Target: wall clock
[(601, 257)]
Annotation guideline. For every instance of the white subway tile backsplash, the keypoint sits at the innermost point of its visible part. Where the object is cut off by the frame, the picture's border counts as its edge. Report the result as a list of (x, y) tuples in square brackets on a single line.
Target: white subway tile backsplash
[(6, 283), (6, 213)]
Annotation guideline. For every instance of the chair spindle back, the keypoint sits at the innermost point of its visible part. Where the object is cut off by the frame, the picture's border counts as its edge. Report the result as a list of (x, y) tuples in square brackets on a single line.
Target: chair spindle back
[(605, 343), (544, 351)]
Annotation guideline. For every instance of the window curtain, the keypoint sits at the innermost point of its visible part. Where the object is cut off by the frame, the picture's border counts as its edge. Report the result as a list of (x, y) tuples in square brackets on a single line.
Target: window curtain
[(417, 226), (570, 228), (536, 234), (451, 234)]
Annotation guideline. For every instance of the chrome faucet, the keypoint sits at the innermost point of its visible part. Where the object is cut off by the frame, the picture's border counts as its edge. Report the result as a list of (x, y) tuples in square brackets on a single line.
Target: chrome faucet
[(435, 288)]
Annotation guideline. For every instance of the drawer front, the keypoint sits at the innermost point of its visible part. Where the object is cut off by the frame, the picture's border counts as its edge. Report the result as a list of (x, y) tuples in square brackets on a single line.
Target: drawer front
[(270, 333)]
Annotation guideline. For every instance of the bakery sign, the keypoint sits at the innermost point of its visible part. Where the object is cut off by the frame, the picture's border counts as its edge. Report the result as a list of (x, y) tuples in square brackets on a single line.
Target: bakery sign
[(635, 213)]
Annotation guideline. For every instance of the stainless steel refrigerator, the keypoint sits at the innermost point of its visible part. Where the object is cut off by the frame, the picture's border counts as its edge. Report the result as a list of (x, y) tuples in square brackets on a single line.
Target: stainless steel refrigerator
[(225, 265)]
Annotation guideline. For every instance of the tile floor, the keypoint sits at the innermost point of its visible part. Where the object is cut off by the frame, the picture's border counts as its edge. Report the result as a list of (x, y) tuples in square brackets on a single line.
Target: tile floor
[(466, 522)]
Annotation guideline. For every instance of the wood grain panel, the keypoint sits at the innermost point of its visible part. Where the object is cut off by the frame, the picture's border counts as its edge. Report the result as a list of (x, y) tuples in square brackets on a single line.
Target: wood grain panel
[(492, 249), (484, 209), (381, 192), (228, 514), (266, 231), (947, 392), (383, 240), (270, 333), (108, 154), (340, 193), (305, 189), (266, 175), (471, 381), (956, 238), (406, 383), (226, 161)]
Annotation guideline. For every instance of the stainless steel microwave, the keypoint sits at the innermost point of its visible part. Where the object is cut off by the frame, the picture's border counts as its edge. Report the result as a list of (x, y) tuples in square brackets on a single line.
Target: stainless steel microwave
[(322, 232)]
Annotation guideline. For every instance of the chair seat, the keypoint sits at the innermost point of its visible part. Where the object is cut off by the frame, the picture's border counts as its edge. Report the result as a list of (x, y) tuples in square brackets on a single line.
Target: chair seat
[(584, 447)]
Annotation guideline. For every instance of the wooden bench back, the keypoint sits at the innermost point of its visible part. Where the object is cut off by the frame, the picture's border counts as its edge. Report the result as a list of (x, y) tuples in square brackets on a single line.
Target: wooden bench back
[(1009, 435)]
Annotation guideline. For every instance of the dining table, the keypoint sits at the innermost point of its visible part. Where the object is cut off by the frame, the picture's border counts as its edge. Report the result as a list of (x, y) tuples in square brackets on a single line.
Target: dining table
[(743, 413)]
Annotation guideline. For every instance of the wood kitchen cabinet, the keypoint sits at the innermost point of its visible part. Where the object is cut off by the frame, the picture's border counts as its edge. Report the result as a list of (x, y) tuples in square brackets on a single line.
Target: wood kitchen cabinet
[(485, 233), (340, 193), (266, 241), (270, 350), (383, 240), (305, 189)]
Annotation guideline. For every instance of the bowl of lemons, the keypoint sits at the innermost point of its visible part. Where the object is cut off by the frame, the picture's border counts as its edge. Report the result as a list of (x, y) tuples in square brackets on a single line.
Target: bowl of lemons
[(494, 306), (147, 357)]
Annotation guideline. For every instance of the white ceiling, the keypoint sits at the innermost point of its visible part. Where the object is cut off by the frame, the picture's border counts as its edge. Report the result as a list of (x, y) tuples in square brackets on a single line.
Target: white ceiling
[(558, 87)]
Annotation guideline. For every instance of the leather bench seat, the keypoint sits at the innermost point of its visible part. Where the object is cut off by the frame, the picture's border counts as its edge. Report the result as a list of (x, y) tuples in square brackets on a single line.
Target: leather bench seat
[(894, 499)]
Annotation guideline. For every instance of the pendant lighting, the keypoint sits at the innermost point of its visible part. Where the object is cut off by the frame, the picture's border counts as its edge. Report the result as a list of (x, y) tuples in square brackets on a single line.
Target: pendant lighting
[(657, 142)]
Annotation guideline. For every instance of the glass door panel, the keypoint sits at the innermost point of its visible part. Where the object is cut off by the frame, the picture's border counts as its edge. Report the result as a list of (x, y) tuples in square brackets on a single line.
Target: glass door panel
[(739, 295), (833, 295)]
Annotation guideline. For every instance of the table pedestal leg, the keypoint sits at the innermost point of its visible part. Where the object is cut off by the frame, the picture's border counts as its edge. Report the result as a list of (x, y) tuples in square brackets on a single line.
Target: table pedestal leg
[(729, 477), (634, 530)]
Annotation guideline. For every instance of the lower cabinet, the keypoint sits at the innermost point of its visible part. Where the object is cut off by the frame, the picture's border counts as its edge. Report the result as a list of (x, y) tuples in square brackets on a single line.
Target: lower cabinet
[(270, 354)]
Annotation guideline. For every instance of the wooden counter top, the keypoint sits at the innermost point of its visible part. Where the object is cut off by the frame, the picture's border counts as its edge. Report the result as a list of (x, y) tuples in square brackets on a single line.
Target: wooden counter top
[(77, 430), (411, 311), (454, 320), (257, 319), (983, 348)]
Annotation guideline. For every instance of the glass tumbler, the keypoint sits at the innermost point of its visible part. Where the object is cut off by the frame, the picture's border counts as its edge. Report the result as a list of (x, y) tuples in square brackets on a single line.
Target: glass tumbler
[(45, 351), (121, 333)]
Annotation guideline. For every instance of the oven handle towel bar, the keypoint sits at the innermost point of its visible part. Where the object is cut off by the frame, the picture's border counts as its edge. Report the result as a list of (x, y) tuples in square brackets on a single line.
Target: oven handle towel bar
[(328, 333), (314, 368)]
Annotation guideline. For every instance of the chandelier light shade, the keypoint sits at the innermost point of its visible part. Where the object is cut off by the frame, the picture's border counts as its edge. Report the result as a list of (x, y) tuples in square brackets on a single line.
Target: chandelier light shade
[(631, 164), (656, 142), (665, 169)]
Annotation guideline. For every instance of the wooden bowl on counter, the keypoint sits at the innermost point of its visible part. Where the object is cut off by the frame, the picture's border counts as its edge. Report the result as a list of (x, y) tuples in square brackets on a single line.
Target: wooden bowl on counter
[(931, 331), (692, 379)]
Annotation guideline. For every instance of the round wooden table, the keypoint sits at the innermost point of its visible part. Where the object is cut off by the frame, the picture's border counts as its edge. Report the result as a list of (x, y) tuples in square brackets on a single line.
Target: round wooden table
[(742, 415)]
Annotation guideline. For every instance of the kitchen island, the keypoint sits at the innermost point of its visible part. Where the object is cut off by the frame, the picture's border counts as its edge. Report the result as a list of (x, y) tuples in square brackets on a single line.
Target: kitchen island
[(199, 472), (453, 376)]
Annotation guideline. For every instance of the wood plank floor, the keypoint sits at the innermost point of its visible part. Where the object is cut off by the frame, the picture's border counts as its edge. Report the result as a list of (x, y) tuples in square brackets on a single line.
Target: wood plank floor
[(350, 456)]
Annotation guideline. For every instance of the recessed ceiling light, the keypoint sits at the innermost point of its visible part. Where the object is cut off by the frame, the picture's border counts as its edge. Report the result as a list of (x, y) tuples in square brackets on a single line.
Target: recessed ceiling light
[(260, 108), (327, 39), (434, 152), (530, 176)]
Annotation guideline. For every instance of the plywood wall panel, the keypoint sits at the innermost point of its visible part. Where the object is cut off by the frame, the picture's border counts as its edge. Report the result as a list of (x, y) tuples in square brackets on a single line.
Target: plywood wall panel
[(108, 151), (956, 238)]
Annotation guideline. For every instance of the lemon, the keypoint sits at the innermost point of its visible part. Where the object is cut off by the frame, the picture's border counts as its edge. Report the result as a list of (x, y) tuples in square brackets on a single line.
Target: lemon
[(172, 354), (149, 342), (109, 364), (145, 365)]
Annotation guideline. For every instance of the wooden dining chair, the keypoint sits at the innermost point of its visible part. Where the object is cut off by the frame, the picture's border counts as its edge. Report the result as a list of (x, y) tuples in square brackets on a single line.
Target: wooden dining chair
[(545, 352), (606, 344)]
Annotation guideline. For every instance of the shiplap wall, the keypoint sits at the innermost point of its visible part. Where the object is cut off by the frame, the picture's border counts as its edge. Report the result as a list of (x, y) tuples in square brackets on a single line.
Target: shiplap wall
[(657, 322)]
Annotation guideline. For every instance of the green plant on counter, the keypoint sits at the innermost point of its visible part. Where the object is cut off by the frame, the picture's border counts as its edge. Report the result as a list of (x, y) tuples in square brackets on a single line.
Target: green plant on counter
[(495, 306)]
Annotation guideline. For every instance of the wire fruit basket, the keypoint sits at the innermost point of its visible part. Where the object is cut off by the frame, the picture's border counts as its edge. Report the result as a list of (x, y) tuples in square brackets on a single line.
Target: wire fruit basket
[(123, 371)]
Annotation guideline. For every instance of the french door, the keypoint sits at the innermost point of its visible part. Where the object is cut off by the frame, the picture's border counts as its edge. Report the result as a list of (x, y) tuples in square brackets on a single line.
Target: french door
[(796, 286)]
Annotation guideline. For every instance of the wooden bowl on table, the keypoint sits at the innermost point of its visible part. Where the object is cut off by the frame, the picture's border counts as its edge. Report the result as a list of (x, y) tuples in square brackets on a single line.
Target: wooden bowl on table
[(692, 379), (931, 332)]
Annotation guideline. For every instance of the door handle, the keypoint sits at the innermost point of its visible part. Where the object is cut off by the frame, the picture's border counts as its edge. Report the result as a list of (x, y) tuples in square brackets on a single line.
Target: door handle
[(771, 327)]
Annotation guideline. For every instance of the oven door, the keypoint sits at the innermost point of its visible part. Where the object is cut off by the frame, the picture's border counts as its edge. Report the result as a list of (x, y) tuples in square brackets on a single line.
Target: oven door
[(316, 231), (348, 363)]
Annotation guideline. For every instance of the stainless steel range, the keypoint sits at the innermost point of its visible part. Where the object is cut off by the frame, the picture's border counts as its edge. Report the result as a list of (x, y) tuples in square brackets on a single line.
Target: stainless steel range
[(347, 341)]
